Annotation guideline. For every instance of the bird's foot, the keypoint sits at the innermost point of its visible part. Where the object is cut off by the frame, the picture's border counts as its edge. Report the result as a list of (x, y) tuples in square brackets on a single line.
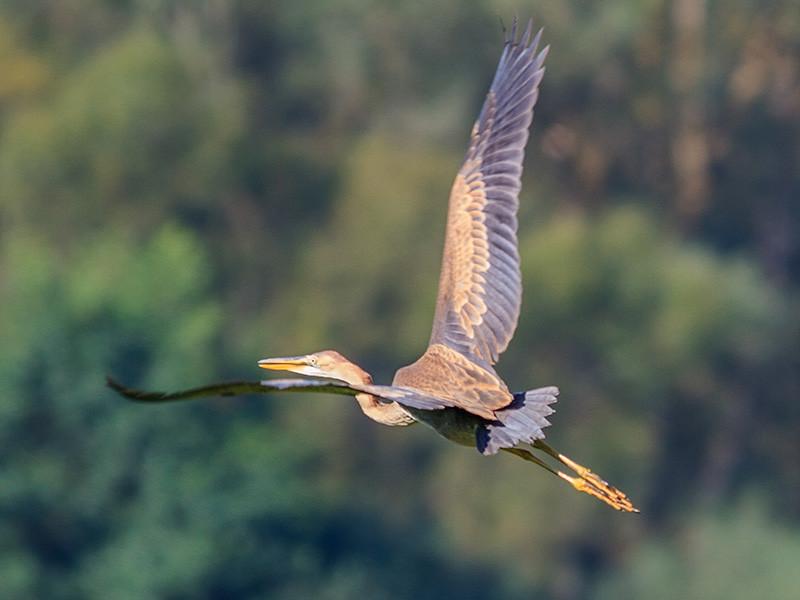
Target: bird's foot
[(593, 485), (588, 482)]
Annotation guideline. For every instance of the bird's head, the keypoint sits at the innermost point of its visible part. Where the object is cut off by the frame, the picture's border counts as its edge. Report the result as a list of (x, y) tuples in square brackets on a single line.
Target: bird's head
[(327, 363)]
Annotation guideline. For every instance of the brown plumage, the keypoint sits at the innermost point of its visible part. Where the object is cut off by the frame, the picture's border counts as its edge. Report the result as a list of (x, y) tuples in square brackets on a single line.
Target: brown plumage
[(453, 387)]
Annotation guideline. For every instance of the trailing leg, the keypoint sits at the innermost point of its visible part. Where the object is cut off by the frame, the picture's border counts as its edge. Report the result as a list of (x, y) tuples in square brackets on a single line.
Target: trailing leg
[(586, 481)]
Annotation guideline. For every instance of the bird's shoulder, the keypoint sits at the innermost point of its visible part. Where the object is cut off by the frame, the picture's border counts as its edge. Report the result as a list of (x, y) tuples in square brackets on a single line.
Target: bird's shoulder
[(461, 382)]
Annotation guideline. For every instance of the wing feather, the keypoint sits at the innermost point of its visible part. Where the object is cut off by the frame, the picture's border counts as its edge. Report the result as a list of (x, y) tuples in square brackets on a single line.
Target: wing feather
[(233, 388), (520, 422), (407, 397), (480, 286)]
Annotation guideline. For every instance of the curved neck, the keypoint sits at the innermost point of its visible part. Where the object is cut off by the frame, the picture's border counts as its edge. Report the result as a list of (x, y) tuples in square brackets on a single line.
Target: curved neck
[(385, 413)]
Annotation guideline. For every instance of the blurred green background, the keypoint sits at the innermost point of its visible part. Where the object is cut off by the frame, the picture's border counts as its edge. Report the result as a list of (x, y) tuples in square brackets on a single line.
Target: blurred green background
[(187, 187)]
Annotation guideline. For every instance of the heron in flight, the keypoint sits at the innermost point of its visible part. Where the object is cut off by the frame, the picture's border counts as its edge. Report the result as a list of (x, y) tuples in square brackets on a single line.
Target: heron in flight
[(453, 387)]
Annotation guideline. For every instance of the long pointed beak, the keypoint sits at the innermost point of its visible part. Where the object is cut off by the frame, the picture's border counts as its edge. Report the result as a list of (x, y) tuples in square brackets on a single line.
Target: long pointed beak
[(283, 364)]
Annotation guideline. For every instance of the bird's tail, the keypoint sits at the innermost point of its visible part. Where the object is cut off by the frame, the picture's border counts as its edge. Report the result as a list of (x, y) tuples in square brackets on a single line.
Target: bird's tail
[(521, 422)]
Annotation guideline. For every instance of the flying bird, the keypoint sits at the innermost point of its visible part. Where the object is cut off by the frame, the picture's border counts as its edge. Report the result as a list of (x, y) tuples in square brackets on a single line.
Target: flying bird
[(453, 387)]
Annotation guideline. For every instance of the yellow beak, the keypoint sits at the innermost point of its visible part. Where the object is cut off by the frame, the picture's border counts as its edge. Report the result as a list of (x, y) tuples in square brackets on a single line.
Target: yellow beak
[(283, 364)]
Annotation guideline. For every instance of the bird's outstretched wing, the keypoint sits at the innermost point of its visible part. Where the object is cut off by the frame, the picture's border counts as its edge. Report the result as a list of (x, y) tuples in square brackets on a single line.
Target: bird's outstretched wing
[(233, 388), (406, 397), (480, 286)]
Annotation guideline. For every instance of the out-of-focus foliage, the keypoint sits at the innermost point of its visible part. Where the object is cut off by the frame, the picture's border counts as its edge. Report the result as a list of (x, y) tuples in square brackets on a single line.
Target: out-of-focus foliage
[(379, 278), (188, 187), (123, 128), (21, 73), (741, 540)]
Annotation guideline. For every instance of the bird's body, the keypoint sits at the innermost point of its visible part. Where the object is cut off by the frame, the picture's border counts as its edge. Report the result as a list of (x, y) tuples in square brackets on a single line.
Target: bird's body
[(453, 387), (444, 373)]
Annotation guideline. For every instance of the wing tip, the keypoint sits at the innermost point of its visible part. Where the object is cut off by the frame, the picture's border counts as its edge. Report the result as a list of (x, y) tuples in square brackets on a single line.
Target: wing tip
[(130, 393), (524, 41)]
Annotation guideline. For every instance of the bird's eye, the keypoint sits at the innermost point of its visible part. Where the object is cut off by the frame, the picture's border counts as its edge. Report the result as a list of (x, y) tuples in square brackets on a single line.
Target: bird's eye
[(313, 360)]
